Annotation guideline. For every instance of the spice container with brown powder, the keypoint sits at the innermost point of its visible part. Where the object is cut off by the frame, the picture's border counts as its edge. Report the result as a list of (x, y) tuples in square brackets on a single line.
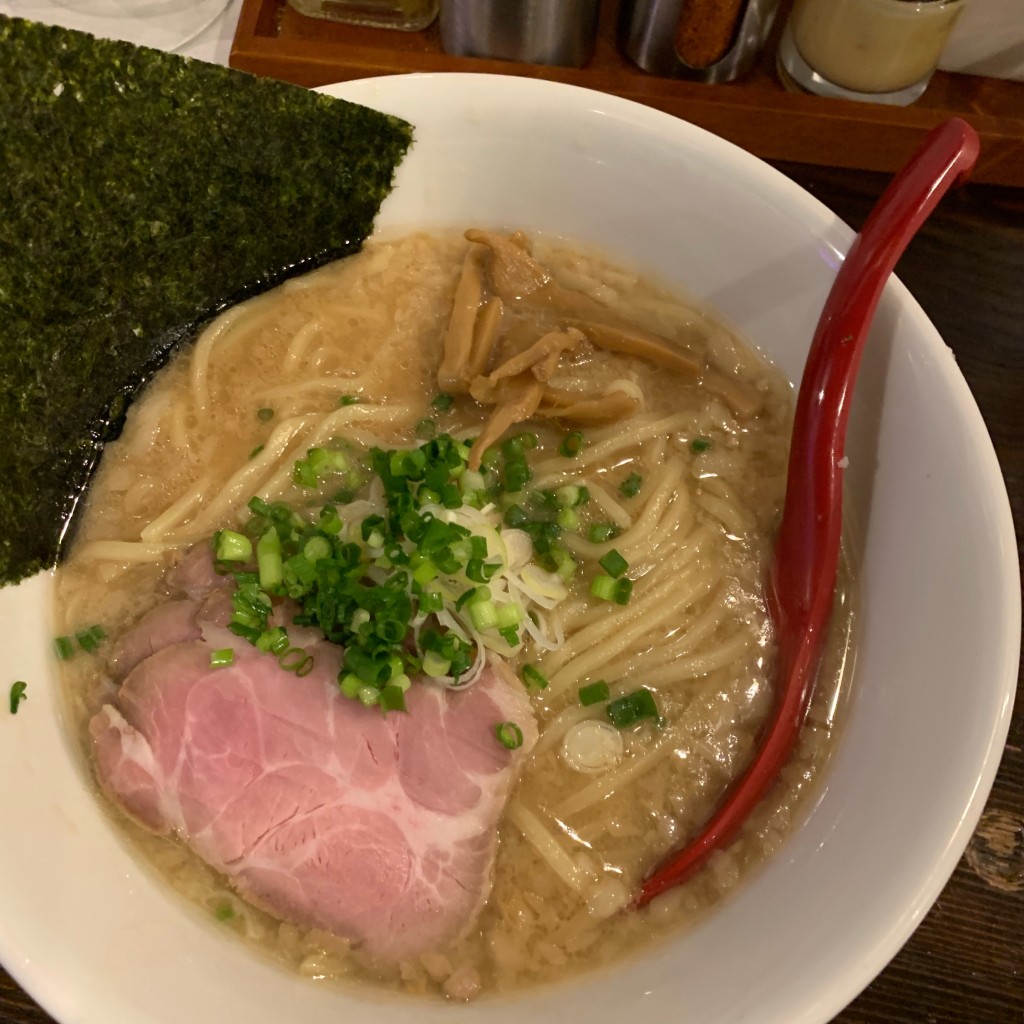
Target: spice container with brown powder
[(704, 40)]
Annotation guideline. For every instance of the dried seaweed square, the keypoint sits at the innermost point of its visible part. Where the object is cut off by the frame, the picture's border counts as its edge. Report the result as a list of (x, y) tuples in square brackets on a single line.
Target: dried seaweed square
[(140, 193)]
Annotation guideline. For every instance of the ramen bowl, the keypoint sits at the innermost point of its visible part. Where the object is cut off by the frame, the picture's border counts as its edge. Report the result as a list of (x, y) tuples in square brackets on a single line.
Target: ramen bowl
[(90, 932)]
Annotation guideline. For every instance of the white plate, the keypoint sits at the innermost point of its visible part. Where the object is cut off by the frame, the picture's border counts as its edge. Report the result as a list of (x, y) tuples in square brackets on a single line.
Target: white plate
[(96, 940)]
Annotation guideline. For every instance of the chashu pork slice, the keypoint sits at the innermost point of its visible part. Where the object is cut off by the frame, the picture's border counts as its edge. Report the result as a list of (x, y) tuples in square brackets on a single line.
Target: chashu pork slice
[(322, 811)]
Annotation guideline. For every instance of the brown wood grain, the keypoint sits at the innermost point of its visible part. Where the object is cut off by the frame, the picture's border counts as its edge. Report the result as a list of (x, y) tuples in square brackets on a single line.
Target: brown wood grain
[(756, 113), (965, 963)]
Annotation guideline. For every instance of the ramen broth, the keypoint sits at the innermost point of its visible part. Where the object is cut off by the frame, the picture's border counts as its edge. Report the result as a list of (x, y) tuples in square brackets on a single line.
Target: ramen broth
[(573, 844)]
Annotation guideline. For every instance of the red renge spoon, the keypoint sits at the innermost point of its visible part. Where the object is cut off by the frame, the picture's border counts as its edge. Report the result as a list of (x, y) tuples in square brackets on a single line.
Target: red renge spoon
[(803, 573)]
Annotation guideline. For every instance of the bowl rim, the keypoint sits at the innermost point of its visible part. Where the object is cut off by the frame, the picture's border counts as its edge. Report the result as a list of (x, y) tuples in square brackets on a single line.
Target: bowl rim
[(824, 997)]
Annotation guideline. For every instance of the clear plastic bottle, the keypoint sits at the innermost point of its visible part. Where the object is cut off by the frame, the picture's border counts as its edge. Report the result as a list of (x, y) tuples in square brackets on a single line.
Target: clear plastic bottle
[(407, 15)]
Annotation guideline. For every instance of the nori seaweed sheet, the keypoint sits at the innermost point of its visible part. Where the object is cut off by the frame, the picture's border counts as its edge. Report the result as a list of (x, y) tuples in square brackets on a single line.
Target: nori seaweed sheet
[(140, 193)]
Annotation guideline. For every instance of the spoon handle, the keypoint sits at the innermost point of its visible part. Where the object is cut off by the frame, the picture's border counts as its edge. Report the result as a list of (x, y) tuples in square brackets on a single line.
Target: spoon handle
[(803, 575)]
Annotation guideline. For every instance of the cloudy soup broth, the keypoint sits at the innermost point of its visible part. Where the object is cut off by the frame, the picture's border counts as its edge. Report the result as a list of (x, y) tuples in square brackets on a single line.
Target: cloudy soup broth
[(647, 462)]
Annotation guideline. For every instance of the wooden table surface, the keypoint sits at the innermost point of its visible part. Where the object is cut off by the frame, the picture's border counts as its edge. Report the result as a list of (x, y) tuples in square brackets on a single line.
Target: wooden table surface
[(965, 963)]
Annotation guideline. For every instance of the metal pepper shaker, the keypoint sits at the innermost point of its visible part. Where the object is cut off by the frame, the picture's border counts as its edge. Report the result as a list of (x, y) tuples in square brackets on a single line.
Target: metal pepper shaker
[(703, 40), (560, 32)]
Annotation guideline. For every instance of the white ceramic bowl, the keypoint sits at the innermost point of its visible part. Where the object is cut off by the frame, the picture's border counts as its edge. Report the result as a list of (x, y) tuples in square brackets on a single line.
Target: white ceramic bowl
[(97, 941)]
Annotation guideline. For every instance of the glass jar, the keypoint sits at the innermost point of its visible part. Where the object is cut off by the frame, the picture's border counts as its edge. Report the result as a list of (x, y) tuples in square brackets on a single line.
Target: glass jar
[(407, 15), (882, 51)]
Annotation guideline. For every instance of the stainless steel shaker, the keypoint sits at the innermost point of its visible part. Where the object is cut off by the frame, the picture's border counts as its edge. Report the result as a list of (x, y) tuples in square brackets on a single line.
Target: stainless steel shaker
[(703, 40), (532, 31)]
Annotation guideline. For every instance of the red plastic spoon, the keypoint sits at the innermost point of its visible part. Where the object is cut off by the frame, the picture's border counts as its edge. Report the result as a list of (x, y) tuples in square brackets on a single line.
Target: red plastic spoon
[(803, 574)]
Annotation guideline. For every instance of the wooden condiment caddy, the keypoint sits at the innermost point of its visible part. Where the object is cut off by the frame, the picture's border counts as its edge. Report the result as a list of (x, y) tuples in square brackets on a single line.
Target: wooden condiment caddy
[(755, 112)]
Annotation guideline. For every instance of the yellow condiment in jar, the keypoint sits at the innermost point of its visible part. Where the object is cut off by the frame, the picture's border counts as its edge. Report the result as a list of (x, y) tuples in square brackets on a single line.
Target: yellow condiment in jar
[(873, 46)]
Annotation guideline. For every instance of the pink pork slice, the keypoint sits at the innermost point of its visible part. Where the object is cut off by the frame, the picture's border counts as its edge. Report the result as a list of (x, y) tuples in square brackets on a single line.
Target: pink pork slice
[(324, 812)]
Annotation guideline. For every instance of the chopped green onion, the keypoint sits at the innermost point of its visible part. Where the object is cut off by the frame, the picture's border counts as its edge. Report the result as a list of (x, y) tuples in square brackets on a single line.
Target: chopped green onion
[(372, 584), (517, 476), (435, 666), (368, 695), (600, 533), (512, 448), (483, 615), (613, 563), (265, 414), (274, 640), (330, 522), (350, 685), (565, 566), (517, 473), (700, 444), (268, 559), (293, 659), (348, 400), (534, 678), (89, 639), (623, 591), (408, 463), (451, 496), (304, 475), (568, 519), (572, 444), (515, 517), (18, 694), (630, 709), (424, 574), (316, 548), (258, 507), (222, 658), (255, 452), (509, 735), (595, 693), (319, 461), (545, 499), (426, 429), (510, 613), (392, 698), (224, 911), (571, 496), (630, 487), (232, 547), (442, 402), (603, 587)]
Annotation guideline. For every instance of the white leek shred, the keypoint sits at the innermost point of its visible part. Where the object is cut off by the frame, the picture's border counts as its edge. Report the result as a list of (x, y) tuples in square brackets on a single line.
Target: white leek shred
[(626, 386), (517, 580)]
